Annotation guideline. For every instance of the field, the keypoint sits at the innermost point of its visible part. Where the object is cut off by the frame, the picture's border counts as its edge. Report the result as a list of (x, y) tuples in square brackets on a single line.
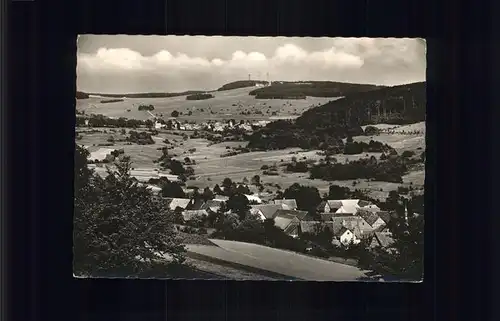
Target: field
[(281, 262), (225, 105), (211, 169)]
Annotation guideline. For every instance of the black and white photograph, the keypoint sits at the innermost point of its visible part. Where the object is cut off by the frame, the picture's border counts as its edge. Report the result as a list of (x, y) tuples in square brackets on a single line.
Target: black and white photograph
[(250, 158)]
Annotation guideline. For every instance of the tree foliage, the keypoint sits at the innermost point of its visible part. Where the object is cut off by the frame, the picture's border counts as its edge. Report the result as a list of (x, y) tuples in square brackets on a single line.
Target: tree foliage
[(119, 229), (307, 197)]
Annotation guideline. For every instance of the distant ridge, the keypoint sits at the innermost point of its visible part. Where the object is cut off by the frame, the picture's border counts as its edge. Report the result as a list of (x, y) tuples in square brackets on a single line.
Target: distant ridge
[(143, 95)]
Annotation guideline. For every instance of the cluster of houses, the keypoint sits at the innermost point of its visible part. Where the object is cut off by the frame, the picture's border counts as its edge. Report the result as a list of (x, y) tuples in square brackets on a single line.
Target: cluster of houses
[(213, 126), (349, 221)]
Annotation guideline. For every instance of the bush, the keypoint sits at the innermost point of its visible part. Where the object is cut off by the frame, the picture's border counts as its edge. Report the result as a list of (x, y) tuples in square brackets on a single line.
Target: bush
[(175, 113), (407, 154), (146, 107), (199, 96)]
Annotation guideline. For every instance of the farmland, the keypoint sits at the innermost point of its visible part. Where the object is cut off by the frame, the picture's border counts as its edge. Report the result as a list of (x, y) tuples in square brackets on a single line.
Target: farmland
[(211, 169), (226, 104)]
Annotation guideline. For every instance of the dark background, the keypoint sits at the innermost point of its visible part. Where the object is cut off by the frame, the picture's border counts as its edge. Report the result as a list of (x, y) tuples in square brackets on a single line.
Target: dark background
[(39, 43)]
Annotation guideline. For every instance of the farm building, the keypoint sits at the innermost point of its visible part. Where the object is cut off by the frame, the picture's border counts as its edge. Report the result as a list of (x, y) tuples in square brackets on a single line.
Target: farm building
[(100, 154), (371, 218), (265, 211), (253, 198), (212, 205), (183, 203), (340, 233), (287, 204), (288, 223), (349, 206), (301, 215)]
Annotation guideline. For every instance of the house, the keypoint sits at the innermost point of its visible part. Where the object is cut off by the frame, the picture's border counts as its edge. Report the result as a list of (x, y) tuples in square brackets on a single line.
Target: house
[(371, 218), (349, 206), (190, 214), (290, 224), (355, 224), (287, 204), (265, 211), (212, 205), (253, 198), (345, 236), (299, 214), (341, 234), (183, 203)]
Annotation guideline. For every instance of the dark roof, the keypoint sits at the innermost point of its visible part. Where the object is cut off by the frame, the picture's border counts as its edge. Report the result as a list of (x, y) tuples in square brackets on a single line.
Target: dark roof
[(368, 216), (308, 226), (196, 204), (327, 216), (292, 227), (299, 214), (385, 216), (284, 220)]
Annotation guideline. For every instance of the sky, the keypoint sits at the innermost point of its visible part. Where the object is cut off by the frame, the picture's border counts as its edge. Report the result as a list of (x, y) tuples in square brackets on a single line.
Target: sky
[(137, 64)]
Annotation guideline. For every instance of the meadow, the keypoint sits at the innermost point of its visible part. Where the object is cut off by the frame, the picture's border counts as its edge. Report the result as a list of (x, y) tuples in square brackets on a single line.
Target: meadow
[(225, 105), (282, 262), (211, 168)]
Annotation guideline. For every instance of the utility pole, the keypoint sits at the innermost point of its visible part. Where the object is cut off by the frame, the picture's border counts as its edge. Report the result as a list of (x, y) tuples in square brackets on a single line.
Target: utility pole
[(249, 77)]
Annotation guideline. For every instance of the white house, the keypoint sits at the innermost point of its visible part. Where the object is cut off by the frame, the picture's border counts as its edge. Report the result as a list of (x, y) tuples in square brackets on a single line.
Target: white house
[(183, 203), (348, 206), (253, 198), (347, 237), (287, 204)]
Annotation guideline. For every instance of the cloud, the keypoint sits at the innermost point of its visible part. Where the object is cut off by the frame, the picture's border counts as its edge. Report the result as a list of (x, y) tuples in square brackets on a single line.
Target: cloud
[(344, 59)]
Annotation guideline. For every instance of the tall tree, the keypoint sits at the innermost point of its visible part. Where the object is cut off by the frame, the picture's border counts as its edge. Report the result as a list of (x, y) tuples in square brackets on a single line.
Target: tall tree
[(238, 203), (119, 229), (307, 197)]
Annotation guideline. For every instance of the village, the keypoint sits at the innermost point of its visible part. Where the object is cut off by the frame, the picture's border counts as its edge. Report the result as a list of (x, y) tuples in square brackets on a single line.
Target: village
[(251, 179), (349, 221)]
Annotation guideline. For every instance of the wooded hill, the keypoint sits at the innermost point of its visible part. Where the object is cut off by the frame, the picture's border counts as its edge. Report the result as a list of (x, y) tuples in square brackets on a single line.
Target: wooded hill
[(404, 104), (301, 89), (324, 126), (241, 84)]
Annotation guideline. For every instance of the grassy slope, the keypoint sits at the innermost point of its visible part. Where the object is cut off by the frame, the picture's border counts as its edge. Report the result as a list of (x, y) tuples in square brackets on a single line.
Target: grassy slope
[(282, 262)]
